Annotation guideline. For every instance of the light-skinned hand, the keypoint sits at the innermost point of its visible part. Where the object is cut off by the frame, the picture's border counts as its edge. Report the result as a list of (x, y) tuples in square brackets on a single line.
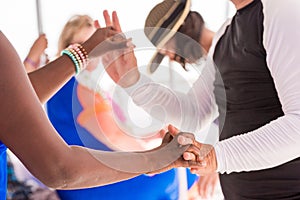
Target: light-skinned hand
[(121, 66)]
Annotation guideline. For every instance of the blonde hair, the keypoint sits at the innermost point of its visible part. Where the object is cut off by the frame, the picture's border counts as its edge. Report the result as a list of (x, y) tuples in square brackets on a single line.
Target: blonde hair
[(75, 23)]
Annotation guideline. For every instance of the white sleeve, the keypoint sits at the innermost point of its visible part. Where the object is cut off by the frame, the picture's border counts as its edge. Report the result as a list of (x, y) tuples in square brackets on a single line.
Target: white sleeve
[(189, 112), (279, 141), (182, 110)]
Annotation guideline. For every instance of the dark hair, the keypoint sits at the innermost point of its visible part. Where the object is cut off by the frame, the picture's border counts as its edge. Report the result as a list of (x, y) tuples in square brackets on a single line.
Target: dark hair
[(187, 50)]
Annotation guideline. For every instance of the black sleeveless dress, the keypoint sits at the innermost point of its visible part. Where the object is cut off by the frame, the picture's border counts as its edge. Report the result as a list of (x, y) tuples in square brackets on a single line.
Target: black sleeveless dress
[(251, 102)]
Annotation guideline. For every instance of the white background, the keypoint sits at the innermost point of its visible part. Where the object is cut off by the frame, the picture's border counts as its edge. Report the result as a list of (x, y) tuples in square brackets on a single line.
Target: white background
[(18, 17)]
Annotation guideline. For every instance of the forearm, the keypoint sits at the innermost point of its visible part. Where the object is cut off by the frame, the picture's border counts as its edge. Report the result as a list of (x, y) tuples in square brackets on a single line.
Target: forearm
[(81, 169), (187, 111), (80, 164), (269, 146), (49, 79), (30, 65)]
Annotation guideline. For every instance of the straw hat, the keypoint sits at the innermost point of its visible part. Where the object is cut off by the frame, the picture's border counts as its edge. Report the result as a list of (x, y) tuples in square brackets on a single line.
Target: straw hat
[(162, 23)]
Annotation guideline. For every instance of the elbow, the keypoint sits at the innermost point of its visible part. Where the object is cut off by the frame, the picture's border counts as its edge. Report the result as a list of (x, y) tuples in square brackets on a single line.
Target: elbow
[(292, 120), (57, 177), (57, 174)]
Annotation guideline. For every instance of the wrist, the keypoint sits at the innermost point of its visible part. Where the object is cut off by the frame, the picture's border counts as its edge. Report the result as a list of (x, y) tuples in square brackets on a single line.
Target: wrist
[(214, 160), (219, 158), (142, 82), (87, 47), (31, 62), (130, 79)]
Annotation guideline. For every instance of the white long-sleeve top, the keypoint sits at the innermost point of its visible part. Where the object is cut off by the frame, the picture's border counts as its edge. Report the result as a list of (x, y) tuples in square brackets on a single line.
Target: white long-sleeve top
[(268, 146)]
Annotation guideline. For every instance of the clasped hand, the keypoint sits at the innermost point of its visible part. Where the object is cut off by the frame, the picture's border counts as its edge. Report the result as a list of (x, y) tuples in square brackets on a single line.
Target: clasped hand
[(203, 154)]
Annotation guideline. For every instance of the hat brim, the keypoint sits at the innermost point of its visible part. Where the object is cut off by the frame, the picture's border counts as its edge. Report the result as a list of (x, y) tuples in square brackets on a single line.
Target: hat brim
[(158, 57), (155, 62)]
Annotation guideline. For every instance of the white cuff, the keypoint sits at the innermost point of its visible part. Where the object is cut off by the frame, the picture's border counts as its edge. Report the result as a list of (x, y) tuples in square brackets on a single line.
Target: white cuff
[(219, 158)]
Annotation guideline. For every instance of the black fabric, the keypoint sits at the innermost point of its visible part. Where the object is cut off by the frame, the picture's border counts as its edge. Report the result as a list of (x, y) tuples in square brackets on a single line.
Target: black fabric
[(251, 102)]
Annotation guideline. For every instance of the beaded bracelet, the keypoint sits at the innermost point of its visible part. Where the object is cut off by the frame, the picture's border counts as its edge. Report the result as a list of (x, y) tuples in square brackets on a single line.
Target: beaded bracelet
[(78, 55), (82, 52), (79, 59), (83, 56), (73, 58)]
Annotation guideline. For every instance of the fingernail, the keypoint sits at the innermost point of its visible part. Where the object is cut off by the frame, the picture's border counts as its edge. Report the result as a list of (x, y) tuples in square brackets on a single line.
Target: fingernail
[(184, 140)]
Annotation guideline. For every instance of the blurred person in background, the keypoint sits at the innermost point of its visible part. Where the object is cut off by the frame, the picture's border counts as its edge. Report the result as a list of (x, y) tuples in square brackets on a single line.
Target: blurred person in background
[(37, 56)]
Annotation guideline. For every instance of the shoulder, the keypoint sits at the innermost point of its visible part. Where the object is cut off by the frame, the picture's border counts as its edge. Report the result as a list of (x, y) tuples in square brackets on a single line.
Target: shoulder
[(279, 11), (281, 22)]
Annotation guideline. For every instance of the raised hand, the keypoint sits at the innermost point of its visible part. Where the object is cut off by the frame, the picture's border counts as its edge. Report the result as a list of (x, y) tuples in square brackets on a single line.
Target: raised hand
[(38, 47), (102, 41), (114, 22), (121, 66), (37, 51), (106, 39)]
